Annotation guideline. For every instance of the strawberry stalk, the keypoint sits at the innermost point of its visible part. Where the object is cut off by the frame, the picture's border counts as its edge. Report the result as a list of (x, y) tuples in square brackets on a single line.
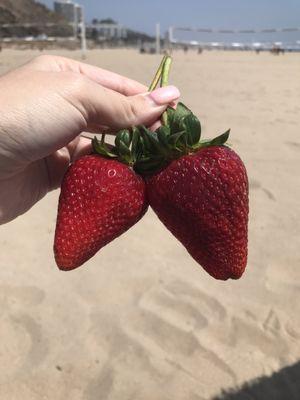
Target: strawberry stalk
[(164, 82), (148, 152), (158, 75)]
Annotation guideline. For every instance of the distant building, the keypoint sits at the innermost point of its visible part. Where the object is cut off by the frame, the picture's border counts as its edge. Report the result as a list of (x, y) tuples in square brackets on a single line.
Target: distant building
[(66, 9), (109, 29), (71, 11)]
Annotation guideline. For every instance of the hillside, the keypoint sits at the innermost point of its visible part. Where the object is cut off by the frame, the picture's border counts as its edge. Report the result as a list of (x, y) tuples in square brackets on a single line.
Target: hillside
[(14, 11), (30, 11)]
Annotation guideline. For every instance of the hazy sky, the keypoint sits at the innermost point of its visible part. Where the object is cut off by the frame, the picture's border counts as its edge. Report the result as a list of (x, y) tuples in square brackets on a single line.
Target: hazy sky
[(232, 14)]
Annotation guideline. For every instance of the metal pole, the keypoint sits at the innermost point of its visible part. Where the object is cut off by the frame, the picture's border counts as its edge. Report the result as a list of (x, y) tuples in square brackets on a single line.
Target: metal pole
[(170, 39), (75, 22), (171, 34), (157, 38), (83, 36)]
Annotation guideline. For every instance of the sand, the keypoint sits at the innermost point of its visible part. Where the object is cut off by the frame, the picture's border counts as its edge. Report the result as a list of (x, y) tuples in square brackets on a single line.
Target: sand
[(142, 320)]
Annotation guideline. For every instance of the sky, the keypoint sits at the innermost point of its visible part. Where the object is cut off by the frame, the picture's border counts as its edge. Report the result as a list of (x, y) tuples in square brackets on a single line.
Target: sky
[(142, 15)]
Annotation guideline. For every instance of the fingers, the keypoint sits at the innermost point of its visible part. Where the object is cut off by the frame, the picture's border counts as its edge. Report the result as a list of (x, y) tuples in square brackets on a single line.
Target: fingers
[(110, 80), (108, 109), (58, 162), (57, 165), (83, 148)]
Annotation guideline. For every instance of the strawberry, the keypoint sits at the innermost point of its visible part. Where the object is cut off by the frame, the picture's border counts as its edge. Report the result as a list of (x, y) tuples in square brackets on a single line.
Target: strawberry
[(202, 198), (100, 199), (199, 190)]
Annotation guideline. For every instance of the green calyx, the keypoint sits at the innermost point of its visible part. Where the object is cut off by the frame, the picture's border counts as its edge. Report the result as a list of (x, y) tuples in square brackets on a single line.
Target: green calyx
[(146, 151)]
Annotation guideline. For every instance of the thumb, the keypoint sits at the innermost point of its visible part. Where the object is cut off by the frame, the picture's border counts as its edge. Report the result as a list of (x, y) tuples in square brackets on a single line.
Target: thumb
[(112, 110)]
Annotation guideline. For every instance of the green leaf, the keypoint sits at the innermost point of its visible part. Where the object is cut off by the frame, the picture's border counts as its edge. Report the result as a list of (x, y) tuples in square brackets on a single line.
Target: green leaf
[(124, 153), (192, 126), (151, 141), (170, 113), (124, 136), (149, 165), (180, 113), (142, 145), (102, 149), (220, 140), (136, 149), (182, 110), (173, 139), (163, 132), (145, 140), (124, 149)]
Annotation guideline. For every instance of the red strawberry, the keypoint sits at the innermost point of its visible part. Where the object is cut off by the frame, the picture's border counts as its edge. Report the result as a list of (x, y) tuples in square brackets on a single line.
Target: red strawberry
[(202, 198), (100, 199)]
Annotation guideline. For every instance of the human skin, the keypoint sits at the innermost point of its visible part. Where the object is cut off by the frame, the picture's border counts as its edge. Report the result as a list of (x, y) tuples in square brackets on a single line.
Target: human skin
[(44, 107)]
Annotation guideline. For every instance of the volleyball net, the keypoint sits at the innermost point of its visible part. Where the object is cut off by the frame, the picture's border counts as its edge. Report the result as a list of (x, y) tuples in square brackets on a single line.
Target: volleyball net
[(286, 38)]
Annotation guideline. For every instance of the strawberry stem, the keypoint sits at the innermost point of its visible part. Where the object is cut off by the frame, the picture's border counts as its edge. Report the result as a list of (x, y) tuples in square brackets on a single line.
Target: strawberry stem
[(158, 74), (166, 71), (164, 82)]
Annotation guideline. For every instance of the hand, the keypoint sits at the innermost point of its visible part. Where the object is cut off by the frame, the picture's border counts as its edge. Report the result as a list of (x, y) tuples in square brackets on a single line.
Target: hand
[(44, 106)]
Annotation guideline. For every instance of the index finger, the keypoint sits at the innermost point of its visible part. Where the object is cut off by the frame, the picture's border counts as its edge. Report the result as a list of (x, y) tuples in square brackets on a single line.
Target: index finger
[(108, 79), (111, 80)]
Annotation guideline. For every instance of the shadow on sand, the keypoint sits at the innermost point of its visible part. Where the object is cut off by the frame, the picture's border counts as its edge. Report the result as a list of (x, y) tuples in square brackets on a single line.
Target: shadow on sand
[(282, 385)]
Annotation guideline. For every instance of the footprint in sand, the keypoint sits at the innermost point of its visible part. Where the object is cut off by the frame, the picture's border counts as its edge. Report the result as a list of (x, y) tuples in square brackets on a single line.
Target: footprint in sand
[(22, 344), (284, 283), (161, 339), (168, 323), (158, 340), (174, 323), (266, 338)]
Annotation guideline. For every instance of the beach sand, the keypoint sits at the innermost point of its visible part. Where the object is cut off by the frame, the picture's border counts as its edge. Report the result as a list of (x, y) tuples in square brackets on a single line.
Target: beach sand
[(142, 320)]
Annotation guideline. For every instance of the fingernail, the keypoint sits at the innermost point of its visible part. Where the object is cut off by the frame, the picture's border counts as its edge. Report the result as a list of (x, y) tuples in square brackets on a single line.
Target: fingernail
[(164, 95)]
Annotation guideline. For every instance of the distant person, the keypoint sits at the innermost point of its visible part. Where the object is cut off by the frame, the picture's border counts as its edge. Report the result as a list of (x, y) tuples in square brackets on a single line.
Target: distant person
[(142, 48), (200, 50), (185, 49), (45, 105), (276, 50)]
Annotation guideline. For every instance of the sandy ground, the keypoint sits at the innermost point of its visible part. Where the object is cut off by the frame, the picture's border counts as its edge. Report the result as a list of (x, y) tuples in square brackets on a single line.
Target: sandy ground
[(142, 320)]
